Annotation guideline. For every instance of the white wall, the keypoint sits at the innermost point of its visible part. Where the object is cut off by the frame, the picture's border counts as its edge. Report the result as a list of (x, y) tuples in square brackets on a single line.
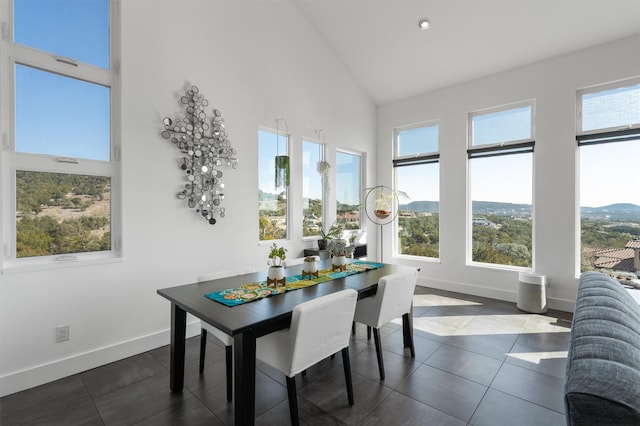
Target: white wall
[(253, 60), (553, 85)]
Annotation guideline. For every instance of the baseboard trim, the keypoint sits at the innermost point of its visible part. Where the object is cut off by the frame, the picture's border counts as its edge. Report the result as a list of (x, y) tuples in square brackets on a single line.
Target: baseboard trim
[(58, 369), (492, 293)]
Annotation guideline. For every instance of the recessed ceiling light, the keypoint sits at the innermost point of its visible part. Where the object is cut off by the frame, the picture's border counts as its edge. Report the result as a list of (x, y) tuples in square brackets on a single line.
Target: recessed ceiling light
[(424, 23)]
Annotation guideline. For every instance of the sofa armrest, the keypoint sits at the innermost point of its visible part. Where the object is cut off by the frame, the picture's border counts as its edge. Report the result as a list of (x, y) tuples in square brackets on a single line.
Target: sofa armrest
[(603, 365)]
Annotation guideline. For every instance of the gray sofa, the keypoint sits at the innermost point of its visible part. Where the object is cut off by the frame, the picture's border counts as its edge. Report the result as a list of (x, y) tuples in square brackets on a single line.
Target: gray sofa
[(602, 383)]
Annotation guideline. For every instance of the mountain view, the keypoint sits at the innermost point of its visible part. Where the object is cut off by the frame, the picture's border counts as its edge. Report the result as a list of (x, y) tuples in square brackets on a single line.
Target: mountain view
[(613, 212), (61, 213), (502, 233)]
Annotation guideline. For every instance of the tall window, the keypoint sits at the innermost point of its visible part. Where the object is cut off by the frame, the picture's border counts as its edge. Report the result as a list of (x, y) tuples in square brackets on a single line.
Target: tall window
[(314, 171), (608, 136), (63, 161), (501, 143), (348, 189), (417, 172), (272, 185)]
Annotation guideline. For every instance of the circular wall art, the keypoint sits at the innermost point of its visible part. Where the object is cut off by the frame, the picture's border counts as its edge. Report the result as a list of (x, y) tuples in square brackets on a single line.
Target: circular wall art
[(206, 151)]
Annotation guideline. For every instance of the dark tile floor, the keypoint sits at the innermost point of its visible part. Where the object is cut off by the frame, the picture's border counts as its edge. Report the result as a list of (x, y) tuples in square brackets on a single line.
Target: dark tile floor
[(478, 362)]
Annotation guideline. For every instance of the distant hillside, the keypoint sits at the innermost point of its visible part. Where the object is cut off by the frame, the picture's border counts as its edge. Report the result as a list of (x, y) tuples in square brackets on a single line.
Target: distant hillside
[(479, 207), (614, 212), (421, 206), (618, 212)]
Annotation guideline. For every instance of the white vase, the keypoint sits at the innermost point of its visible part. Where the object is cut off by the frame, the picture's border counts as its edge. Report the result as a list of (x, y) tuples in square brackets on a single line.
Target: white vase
[(310, 267), (276, 272), (339, 260)]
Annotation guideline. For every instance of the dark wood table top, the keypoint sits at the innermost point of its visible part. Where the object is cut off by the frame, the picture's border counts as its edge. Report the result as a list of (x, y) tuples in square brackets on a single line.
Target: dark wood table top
[(262, 315)]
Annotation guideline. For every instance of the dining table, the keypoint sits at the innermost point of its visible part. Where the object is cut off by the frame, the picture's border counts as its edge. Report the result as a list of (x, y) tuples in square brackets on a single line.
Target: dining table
[(249, 321)]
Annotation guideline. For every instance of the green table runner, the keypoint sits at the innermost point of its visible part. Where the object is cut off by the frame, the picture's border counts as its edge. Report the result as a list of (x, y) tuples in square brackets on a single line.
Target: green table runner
[(259, 290)]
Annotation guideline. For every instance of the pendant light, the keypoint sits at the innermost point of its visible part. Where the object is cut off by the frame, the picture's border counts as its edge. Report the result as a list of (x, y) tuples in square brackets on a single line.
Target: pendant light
[(282, 161)]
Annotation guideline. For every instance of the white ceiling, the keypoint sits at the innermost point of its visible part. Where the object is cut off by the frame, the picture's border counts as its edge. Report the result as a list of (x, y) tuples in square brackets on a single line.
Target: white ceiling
[(379, 42)]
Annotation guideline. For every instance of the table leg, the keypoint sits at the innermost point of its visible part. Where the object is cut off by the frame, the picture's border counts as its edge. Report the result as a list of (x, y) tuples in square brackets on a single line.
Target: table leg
[(178, 334), (244, 354)]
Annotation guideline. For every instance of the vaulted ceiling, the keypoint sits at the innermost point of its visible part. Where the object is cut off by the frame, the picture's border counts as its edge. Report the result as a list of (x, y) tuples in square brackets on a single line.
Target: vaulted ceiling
[(380, 44)]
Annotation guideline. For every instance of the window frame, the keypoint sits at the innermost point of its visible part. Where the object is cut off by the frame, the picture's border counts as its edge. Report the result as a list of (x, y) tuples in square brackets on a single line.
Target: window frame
[(422, 158), (278, 134), (605, 135), (503, 148), (323, 156), (13, 54), (361, 181)]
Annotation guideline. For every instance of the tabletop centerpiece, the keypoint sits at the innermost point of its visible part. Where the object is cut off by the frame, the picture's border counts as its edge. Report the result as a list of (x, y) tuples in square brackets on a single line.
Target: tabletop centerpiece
[(339, 251), (275, 275), (310, 267)]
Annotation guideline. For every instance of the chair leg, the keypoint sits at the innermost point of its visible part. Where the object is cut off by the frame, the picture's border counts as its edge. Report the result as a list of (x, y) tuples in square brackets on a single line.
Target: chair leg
[(293, 400), (408, 333), (229, 358), (376, 338), (347, 374), (368, 332), (353, 328), (203, 348)]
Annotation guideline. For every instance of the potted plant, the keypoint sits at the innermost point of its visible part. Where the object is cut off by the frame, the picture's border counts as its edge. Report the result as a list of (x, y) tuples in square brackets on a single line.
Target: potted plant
[(333, 232), (276, 256), (310, 265), (323, 167), (382, 210), (339, 251), (385, 200)]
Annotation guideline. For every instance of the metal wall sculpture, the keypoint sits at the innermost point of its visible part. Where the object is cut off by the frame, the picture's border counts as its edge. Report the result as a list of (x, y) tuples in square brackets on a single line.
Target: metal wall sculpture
[(206, 148)]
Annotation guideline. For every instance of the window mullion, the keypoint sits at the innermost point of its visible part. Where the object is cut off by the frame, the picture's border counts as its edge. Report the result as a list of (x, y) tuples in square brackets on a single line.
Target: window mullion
[(46, 163), (49, 62), (610, 136)]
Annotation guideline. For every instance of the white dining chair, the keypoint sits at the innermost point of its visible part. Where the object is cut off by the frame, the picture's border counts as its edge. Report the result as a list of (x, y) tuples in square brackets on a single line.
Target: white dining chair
[(206, 329), (393, 298), (319, 328)]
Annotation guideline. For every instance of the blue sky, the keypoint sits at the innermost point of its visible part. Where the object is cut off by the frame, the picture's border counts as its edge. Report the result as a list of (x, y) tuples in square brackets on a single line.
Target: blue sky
[(72, 117), (77, 29)]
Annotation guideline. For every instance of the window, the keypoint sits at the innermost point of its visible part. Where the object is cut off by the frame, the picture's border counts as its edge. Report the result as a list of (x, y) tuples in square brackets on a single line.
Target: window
[(272, 195), (314, 172), (608, 137), (348, 188), (63, 158), (501, 143), (417, 171)]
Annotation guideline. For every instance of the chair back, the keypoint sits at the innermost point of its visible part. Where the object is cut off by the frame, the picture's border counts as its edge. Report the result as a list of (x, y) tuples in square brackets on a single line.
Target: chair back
[(321, 327), (395, 295)]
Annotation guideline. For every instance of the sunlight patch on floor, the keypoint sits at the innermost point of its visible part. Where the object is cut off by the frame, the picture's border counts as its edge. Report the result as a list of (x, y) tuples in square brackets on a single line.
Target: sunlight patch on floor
[(538, 357), (483, 325), (435, 300)]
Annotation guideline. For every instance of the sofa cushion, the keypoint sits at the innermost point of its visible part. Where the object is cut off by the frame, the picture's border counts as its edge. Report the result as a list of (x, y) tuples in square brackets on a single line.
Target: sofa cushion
[(602, 381)]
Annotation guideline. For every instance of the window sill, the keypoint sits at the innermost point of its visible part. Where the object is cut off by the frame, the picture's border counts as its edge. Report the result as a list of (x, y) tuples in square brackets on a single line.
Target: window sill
[(499, 267), (49, 263)]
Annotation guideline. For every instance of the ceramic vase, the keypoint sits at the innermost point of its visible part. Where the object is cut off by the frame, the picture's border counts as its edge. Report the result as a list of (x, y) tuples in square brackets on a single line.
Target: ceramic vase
[(338, 260), (276, 272), (310, 267)]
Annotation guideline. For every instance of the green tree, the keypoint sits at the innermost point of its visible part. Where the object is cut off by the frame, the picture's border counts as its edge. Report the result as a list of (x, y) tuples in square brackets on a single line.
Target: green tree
[(420, 236)]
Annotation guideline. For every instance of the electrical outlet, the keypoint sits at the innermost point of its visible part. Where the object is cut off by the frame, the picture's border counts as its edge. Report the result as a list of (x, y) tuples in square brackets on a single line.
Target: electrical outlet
[(62, 333)]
